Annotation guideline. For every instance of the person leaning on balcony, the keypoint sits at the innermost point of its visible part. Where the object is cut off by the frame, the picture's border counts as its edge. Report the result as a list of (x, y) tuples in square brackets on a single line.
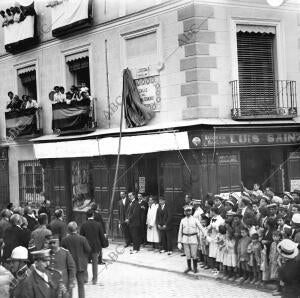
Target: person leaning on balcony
[(15, 103), (68, 97), (75, 93), (31, 103), (10, 99), (4, 17), (9, 16)]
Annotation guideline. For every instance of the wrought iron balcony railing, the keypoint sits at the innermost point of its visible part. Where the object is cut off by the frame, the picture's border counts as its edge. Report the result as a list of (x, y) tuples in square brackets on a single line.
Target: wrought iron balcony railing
[(263, 99)]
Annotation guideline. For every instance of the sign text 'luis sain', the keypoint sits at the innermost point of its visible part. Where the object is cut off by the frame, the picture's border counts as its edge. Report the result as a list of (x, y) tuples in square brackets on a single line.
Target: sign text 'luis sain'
[(208, 139)]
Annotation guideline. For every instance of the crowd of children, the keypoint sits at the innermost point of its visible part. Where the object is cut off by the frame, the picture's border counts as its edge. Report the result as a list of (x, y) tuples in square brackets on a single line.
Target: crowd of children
[(239, 234)]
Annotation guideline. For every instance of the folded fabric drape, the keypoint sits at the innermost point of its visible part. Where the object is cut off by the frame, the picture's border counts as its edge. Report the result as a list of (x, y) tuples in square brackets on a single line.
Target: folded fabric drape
[(136, 114)]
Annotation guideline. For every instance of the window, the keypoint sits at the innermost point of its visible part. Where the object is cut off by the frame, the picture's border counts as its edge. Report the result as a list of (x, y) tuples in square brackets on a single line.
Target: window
[(78, 70), (255, 51), (27, 82), (31, 181)]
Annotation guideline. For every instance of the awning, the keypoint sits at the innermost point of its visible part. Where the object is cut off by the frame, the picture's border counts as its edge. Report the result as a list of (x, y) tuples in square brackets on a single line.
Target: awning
[(27, 69), (109, 146), (77, 56), (256, 29)]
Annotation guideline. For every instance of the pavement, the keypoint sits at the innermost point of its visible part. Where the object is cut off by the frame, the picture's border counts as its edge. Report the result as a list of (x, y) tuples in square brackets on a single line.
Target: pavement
[(151, 274)]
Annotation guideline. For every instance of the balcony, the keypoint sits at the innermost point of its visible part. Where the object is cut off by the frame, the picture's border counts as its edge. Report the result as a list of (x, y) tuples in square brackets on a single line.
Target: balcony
[(75, 118), (263, 99), (22, 123)]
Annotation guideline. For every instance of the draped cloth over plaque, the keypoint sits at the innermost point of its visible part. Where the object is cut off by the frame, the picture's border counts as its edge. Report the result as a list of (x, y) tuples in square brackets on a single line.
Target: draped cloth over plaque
[(74, 117), (69, 15), (136, 114), (20, 123)]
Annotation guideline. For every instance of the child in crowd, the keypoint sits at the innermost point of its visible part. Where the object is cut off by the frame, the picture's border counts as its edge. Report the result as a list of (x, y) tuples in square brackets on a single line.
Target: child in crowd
[(243, 256), (220, 249), (229, 259), (254, 250), (273, 258), (203, 245)]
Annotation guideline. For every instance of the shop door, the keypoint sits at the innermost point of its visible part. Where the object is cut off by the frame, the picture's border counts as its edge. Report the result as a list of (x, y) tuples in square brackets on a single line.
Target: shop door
[(103, 180), (293, 171), (255, 167)]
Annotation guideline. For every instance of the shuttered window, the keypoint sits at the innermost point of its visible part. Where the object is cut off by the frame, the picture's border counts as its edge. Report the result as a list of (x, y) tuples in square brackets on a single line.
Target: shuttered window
[(256, 71)]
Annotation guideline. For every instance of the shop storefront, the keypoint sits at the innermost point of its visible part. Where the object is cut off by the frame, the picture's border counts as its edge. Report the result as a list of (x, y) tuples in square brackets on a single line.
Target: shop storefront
[(198, 162)]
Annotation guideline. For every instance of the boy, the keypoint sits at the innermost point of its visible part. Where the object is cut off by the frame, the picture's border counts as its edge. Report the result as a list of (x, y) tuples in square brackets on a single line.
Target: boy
[(242, 253)]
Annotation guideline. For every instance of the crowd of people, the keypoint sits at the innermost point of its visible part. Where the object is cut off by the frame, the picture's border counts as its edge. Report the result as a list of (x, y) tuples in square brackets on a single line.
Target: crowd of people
[(15, 103), (75, 95), (15, 14), (42, 256), (248, 237)]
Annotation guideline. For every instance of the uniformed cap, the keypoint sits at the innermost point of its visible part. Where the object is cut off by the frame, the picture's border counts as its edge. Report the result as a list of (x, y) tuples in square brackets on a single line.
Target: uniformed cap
[(218, 197), (187, 207), (53, 238), (273, 205), (230, 213), (43, 254), (246, 200)]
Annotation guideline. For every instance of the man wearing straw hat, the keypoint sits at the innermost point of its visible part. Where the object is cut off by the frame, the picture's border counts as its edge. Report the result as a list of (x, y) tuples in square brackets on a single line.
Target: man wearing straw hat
[(289, 272)]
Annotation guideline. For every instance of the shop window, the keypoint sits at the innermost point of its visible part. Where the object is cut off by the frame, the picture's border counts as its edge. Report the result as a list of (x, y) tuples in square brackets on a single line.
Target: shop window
[(27, 82), (78, 70), (30, 181)]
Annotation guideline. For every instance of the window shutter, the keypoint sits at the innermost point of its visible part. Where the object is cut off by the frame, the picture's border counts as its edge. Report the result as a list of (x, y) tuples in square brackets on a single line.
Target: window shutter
[(256, 71)]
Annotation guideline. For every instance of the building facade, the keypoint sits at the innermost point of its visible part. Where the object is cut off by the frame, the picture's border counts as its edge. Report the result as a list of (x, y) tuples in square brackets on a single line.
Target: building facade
[(219, 76)]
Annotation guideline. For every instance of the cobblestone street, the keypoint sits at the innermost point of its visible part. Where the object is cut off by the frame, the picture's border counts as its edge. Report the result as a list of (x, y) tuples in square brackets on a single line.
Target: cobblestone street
[(130, 277)]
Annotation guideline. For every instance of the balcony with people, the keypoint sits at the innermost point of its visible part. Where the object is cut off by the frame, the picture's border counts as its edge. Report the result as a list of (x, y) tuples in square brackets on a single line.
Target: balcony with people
[(73, 112), (263, 99), (22, 116)]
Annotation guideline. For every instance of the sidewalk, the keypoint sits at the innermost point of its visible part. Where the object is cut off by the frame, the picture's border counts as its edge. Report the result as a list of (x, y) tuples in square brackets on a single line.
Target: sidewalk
[(154, 260)]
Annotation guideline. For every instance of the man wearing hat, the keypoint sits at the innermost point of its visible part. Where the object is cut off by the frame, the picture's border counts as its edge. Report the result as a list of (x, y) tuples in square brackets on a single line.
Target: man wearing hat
[(289, 272), (296, 228), (19, 269), (62, 260), (188, 235), (218, 204), (41, 282), (272, 208), (245, 207)]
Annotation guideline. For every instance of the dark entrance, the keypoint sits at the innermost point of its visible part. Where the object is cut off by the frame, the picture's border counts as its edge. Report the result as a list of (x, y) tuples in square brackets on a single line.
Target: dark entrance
[(262, 166)]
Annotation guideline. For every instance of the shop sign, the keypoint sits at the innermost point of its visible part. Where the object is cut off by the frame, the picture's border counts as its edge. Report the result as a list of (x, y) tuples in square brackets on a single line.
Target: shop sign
[(211, 140), (142, 184), (295, 184), (150, 92)]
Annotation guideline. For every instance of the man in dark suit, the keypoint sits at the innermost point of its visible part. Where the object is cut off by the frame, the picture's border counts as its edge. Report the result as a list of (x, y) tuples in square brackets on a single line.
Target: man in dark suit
[(57, 225), (133, 219), (31, 219), (14, 236), (4, 224), (144, 209), (99, 219), (164, 224), (94, 234), (45, 208), (80, 250), (123, 206)]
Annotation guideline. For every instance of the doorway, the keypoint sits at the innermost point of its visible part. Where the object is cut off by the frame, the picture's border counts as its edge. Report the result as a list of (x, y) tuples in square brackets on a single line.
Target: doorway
[(256, 167)]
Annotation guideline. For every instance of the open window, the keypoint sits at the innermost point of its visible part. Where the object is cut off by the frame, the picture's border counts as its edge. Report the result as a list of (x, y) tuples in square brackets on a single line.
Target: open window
[(27, 81), (78, 70)]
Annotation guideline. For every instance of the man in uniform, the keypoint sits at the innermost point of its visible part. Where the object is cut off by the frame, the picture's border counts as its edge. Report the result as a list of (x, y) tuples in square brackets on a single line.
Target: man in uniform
[(62, 260), (41, 282), (19, 269), (188, 237)]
